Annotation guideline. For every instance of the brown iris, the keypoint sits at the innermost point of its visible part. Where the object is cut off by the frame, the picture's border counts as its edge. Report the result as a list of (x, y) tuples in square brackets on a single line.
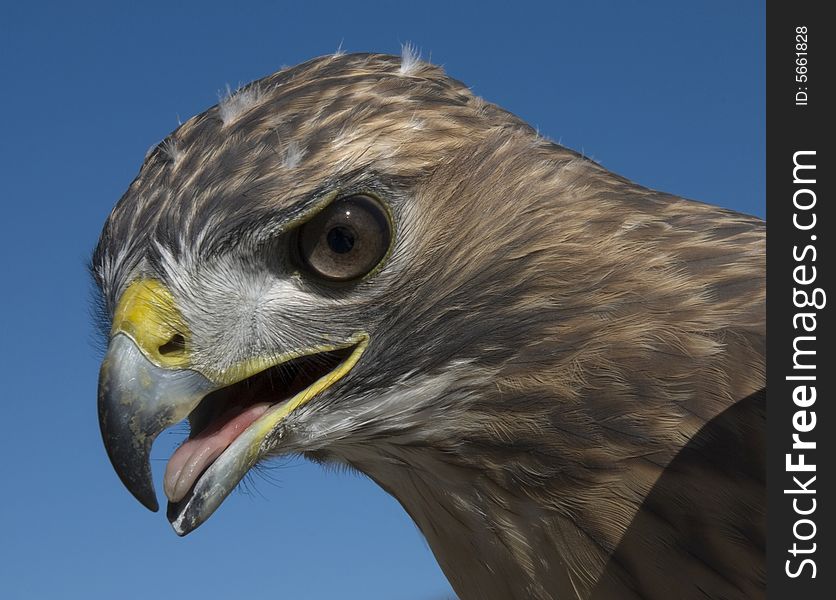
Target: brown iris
[(346, 240)]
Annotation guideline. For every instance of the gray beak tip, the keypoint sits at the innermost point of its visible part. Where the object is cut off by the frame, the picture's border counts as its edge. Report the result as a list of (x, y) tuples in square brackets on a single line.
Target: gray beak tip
[(137, 400)]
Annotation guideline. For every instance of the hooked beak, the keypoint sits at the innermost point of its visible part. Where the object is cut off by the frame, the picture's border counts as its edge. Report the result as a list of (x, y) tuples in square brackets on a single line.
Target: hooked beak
[(146, 384), (138, 400)]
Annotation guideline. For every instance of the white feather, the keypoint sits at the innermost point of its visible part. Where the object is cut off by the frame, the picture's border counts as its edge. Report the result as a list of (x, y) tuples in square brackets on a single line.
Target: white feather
[(235, 103), (410, 59), (171, 150), (293, 155)]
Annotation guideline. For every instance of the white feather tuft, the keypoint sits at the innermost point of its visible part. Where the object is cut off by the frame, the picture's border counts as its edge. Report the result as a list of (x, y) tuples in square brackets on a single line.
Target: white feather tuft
[(293, 155), (171, 150), (410, 59), (235, 103), (168, 148)]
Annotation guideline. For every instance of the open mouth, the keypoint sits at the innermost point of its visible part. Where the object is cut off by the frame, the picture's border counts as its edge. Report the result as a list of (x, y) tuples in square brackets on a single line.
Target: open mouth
[(223, 415), (147, 383)]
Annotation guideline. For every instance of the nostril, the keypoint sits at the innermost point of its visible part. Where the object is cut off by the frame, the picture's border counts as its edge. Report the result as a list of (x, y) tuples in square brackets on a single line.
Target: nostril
[(176, 345)]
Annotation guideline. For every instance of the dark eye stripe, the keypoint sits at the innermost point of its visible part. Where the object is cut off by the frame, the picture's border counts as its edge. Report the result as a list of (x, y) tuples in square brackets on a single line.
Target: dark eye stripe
[(346, 240)]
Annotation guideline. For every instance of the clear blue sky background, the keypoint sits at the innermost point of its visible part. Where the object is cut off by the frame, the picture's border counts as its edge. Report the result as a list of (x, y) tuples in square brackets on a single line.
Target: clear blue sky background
[(668, 94)]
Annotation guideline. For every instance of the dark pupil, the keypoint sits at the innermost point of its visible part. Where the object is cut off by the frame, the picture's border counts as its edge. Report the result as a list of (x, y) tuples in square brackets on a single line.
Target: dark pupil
[(340, 239)]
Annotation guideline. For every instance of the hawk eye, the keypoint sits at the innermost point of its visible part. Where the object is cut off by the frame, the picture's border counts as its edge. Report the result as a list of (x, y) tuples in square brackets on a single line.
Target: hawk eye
[(346, 240)]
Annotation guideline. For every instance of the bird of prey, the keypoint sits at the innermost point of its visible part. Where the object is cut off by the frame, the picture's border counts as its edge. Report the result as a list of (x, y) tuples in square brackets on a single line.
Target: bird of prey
[(558, 373)]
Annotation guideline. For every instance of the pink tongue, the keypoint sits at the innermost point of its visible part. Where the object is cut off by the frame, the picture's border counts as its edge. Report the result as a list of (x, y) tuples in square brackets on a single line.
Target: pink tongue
[(190, 460)]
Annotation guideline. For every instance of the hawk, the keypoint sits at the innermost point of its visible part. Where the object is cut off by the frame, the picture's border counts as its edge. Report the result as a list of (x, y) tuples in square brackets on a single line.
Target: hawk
[(558, 373)]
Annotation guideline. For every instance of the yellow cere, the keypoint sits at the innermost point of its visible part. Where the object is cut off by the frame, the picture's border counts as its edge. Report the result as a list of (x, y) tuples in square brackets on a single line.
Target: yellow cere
[(147, 314)]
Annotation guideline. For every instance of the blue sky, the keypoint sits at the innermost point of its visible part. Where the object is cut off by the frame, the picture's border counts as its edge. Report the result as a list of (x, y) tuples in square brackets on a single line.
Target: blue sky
[(670, 95)]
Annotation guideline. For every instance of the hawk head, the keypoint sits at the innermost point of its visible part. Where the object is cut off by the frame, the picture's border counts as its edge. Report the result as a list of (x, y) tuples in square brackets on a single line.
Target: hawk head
[(359, 260)]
